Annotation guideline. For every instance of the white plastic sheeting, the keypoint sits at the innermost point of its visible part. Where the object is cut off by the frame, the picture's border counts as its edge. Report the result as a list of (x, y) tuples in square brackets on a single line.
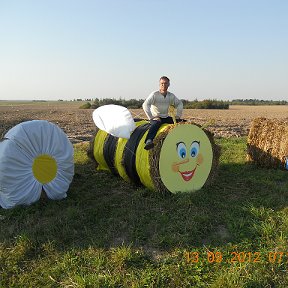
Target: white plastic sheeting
[(19, 150), (115, 120)]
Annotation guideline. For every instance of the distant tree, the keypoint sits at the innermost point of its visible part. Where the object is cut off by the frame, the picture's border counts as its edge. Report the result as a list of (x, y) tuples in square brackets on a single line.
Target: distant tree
[(206, 104), (137, 103), (85, 106), (257, 102), (131, 103)]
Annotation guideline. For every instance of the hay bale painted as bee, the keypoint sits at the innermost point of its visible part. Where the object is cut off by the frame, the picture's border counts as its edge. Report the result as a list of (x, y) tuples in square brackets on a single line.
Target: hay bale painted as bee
[(184, 158), (267, 143)]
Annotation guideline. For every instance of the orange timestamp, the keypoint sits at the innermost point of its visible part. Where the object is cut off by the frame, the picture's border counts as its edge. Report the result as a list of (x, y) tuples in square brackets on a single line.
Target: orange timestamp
[(236, 257)]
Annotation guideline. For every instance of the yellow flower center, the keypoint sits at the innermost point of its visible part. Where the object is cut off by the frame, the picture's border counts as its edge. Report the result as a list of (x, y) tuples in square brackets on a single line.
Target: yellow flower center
[(44, 168)]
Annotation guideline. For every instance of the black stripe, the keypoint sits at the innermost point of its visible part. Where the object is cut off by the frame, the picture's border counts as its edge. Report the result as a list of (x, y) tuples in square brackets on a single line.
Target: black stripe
[(138, 119), (109, 151), (129, 153)]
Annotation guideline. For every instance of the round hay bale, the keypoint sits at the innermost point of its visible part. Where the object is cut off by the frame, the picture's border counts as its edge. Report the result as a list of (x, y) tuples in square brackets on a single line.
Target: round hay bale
[(35, 156), (267, 143), (110, 159), (98, 150), (185, 157)]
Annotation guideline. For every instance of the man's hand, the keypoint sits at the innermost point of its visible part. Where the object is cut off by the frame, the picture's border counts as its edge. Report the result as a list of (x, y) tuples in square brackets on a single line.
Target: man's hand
[(156, 118), (180, 120)]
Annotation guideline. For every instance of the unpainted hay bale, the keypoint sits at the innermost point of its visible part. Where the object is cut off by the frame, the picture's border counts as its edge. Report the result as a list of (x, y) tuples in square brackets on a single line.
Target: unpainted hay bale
[(185, 157), (267, 143)]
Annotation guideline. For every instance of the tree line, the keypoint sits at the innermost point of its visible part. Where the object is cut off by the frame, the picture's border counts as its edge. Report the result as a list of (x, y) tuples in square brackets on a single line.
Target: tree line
[(257, 102), (194, 104)]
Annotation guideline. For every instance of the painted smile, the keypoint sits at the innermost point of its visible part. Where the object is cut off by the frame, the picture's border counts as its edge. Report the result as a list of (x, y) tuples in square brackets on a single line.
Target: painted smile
[(187, 175)]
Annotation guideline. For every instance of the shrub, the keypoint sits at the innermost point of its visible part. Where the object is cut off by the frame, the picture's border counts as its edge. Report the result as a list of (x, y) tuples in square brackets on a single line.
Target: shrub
[(85, 106)]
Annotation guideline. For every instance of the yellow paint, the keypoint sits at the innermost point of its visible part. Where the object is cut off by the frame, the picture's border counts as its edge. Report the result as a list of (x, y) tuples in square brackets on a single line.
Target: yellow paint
[(142, 160), (44, 168), (119, 154), (98, 150), (185, 158), (118, 159)]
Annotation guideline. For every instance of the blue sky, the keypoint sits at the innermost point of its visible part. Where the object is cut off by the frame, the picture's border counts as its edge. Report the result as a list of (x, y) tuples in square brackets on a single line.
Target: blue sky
[(210, 49)]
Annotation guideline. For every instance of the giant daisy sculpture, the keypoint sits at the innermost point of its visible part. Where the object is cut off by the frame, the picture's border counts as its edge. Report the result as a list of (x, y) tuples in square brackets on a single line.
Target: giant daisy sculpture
[(35, 156)]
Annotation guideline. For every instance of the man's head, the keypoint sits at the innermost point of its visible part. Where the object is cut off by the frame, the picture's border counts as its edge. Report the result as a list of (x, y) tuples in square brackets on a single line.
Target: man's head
[(164, 83)]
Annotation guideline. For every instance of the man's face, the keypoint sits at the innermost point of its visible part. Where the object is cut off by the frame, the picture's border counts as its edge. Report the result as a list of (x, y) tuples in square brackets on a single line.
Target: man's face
[(164, 84)]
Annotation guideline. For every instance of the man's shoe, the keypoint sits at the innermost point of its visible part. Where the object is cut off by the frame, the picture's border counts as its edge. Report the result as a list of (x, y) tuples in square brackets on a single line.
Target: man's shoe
[(149, 144)]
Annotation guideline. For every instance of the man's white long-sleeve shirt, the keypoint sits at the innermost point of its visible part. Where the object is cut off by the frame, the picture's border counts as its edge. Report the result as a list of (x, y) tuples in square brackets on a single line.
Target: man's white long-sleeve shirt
[(156, 105)]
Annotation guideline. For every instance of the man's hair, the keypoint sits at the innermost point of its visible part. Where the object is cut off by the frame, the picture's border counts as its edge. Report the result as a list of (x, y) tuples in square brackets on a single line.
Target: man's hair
[(165, 78)]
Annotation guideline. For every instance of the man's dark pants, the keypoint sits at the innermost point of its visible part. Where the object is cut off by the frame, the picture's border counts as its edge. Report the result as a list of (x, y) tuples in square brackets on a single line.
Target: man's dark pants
[(155, 125)]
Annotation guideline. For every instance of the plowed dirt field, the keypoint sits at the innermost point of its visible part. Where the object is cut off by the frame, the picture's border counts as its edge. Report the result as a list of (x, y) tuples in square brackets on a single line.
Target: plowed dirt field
[(79, 126)]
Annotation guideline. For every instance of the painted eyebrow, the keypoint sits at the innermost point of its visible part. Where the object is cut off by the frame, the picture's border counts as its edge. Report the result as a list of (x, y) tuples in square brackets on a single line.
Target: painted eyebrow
[(195, 142), (177, 144)]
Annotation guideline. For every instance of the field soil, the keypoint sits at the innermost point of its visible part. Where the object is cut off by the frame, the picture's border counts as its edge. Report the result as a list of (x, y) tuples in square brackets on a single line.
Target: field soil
[(79, 126)]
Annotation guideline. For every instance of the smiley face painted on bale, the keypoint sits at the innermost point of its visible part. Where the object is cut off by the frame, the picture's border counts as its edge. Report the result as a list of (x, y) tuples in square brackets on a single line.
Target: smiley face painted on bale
[(189, 158), (185, 159)]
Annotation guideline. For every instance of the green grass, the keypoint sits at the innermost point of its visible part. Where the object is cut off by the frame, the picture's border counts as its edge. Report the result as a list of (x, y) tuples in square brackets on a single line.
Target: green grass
[(109, 233)]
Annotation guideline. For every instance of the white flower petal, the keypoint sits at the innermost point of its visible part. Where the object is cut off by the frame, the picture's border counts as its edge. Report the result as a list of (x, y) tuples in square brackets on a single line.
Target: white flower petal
[(17, 184), (38, 143)]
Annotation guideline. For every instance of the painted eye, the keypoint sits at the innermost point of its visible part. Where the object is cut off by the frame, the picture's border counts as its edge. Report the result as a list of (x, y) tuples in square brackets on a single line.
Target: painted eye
[(194, 149), (181, 150)]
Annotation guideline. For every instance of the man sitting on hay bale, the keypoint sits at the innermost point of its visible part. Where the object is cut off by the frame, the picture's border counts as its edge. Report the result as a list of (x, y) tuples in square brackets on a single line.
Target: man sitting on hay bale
[(156, 107)]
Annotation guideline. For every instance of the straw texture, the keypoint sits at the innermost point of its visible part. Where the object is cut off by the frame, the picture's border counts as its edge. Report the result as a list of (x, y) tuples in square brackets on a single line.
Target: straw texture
[(267, 143), (146, 162)]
